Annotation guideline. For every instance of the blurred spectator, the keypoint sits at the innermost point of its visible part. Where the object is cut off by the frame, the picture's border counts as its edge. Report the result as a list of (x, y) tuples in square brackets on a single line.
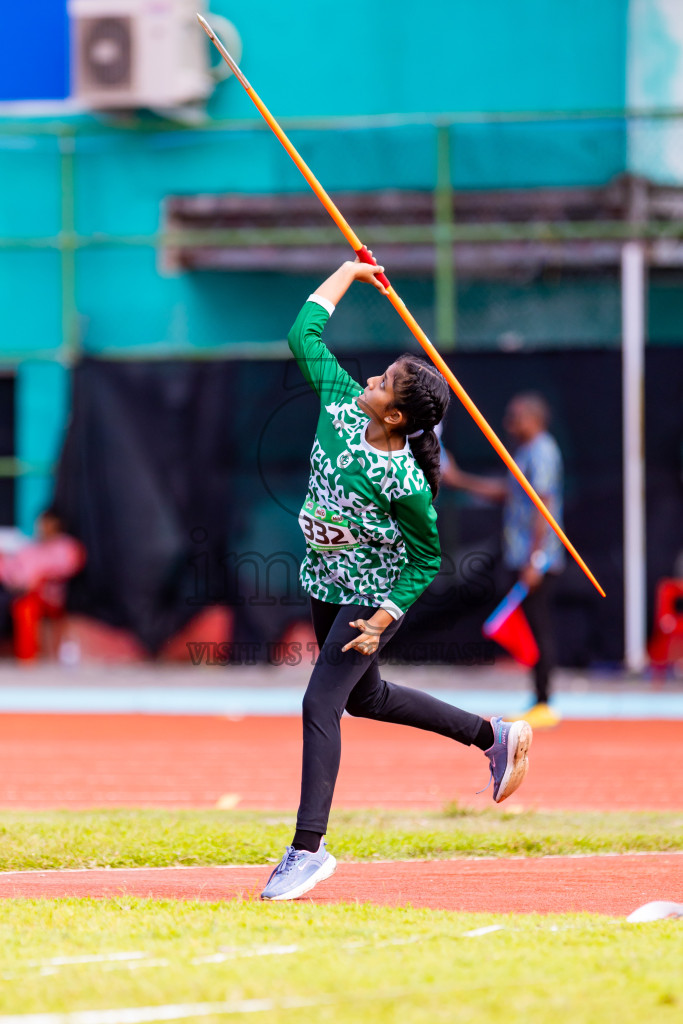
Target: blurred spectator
[(33, 581), (532, 552)]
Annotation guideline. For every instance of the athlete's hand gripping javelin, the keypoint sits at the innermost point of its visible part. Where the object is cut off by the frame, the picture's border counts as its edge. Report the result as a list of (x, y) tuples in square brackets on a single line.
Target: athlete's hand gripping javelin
[(360, 269), (336, 285)]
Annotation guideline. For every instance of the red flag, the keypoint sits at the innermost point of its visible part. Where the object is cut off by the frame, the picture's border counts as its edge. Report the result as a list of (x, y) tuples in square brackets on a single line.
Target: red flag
[(509, 627)]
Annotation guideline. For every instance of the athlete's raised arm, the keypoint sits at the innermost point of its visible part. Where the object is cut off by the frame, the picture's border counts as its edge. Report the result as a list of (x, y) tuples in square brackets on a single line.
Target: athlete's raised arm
[(319, 366)]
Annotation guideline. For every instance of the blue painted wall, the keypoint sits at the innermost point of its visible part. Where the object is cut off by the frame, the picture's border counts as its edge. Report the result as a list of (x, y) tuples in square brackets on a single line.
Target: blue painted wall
[(305, 59), (34, 51)]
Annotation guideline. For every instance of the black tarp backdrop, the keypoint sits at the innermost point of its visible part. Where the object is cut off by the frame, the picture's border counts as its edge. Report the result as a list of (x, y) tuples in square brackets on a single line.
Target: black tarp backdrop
[(143, 481), (184, 481)]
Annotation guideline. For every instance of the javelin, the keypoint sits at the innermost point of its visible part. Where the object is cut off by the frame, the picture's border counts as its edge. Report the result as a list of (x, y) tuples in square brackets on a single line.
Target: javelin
[(398, 303)]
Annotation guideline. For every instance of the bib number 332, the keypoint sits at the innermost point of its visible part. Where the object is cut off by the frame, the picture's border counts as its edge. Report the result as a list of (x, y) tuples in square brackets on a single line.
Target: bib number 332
[(322, 532)]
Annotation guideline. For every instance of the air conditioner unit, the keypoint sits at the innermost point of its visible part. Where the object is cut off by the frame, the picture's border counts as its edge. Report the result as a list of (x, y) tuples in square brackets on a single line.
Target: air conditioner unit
[(139, 53)]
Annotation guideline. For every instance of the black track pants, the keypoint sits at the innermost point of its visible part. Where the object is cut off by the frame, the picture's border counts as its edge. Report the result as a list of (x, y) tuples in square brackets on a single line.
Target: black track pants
[(352, 681)]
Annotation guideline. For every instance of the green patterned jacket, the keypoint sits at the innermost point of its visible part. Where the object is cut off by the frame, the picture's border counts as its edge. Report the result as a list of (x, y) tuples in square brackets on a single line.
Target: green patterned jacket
[(368, 517)]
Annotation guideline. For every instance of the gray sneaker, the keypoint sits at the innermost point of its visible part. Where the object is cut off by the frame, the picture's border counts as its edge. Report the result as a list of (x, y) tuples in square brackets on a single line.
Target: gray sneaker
[(508, 756), (297, 872)]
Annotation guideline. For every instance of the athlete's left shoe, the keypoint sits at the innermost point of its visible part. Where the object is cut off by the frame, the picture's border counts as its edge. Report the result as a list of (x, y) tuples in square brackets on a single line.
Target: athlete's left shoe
[(508, 756), (299, 871)]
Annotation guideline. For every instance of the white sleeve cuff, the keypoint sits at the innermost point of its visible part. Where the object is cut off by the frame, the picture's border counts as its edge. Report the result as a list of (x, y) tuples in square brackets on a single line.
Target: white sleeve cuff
[(392, 608), (325, 303)]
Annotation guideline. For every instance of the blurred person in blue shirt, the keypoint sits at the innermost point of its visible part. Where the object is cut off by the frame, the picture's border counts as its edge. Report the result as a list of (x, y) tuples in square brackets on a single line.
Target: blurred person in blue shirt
[(532, 552)]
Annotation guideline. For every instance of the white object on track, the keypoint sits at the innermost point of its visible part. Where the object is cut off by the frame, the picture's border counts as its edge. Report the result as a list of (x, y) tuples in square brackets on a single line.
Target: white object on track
[(657, 910)]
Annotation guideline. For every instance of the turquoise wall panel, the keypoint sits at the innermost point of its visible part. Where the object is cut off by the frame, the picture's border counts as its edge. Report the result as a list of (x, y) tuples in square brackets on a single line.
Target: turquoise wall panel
[(541, 314), (365, 160), (30, 186), (665, 311), (43, 395), (33, 494), (30, 301), (209, 310), (122, 180), (536, 155), (441, 55), (181, 313)]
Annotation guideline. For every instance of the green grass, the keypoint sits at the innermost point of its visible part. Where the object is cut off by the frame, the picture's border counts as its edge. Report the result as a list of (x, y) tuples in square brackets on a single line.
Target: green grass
[(155, 838), (336, 964), (354, 963)]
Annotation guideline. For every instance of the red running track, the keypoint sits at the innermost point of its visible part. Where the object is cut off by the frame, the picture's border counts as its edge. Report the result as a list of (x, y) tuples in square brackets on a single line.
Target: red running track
[(81, 761), (609, 885)]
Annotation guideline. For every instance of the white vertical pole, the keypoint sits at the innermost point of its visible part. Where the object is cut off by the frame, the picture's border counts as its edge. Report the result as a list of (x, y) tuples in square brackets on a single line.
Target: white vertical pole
[(633, 283)]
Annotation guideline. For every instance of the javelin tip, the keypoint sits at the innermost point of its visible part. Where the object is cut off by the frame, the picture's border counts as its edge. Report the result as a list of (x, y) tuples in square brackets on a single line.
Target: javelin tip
[(205, 25), (232, 64)]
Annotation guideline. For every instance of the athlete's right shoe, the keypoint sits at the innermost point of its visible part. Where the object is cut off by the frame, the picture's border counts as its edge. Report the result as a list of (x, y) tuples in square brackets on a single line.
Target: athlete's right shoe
[(297, 872), (508, 756)]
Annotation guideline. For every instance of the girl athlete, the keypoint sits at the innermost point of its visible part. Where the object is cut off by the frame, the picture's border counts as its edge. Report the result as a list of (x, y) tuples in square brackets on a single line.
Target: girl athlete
[(372, 549)]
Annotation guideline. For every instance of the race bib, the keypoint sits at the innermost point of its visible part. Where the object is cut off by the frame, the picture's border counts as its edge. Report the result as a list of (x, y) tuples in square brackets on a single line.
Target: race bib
[(325, 530)]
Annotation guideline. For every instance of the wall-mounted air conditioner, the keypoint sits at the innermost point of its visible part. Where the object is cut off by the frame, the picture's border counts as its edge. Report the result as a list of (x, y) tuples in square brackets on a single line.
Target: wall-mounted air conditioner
[(142, 53)]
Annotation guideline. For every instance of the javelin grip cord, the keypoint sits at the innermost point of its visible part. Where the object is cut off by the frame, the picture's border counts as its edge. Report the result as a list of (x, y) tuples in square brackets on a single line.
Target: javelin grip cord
[(365, 257)]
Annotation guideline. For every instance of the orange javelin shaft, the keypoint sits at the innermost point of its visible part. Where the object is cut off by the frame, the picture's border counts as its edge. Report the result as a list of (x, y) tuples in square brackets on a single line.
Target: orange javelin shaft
[(398, 303)]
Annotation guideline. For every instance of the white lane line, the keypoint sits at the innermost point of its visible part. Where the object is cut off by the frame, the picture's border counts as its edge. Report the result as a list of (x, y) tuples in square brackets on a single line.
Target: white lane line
[(114, 871), (181, 1011), (518, 856), (135, 965), (133, 961), (238, 954), (61, 961), (354, 863), (145, 1014), (125, 965), (486, 930), (389, 942)]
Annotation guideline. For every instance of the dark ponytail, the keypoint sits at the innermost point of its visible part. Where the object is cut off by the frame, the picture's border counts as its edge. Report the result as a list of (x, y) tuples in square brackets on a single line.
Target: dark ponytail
[(427, 451), (422, 395)]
